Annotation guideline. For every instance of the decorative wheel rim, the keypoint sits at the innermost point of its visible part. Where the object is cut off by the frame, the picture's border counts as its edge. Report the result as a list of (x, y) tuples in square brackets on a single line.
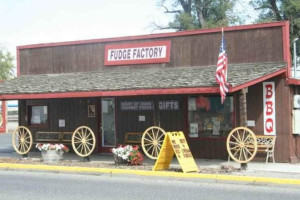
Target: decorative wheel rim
[(1, 120), (22, 140), (83, 141), (241, 145), (152, 141)]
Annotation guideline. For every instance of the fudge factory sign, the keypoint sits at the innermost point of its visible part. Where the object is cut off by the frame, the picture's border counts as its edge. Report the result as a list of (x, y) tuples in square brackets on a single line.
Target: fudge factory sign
[(137, 53)]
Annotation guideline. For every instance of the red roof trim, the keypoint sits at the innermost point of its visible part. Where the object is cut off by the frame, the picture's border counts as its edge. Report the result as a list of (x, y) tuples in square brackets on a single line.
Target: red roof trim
[(158, 35), (286, 47), (293, 81), (18, 62), (261, 79), (111, 93)]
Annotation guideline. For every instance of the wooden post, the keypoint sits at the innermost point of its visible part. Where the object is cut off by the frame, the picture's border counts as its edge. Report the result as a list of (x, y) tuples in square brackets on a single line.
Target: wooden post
[(243, 115), (243, 107)]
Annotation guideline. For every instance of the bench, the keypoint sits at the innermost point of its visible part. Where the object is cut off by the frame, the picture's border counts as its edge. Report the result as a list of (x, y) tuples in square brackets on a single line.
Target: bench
[(265, 143), (133, 138), (53, 137)]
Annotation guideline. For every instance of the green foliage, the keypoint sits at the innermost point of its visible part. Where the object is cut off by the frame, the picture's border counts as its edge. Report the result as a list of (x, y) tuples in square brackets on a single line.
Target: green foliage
[(198, 14), (278, 10), (6, 65)]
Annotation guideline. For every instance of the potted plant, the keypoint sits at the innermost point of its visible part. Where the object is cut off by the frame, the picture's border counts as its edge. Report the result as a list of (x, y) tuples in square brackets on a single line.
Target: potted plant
[(52, 152), (121, 154), (135, 156), (127, 155)]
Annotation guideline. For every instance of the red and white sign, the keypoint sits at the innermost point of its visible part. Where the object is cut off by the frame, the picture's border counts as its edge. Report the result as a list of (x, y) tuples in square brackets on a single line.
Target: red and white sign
[(137, 53), (269, 108)]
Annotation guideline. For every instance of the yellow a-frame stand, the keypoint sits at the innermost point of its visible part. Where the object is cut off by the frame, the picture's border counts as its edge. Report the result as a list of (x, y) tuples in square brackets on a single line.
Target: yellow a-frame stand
[(175, 142)]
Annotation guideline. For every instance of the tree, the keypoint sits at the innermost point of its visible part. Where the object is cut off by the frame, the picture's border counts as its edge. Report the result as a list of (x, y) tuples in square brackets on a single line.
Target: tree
[(6, 65), (278, 10), (198, 14)]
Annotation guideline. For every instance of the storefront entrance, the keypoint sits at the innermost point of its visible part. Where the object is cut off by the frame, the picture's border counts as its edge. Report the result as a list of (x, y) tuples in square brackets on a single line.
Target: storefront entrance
[(107, 124)]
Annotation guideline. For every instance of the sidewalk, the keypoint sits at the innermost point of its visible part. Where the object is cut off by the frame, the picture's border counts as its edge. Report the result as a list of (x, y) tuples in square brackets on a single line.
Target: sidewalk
[(284, 173)]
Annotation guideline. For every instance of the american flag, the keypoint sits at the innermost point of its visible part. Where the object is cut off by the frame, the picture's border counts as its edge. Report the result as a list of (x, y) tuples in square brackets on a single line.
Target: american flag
[(221, 72)]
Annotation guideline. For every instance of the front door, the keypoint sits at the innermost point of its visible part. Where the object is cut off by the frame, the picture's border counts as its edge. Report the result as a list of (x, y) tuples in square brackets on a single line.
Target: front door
[(108, 125)]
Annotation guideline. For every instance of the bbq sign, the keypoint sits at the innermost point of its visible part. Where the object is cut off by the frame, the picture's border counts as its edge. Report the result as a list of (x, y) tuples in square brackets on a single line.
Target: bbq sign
[(137, 53), (269, 108)]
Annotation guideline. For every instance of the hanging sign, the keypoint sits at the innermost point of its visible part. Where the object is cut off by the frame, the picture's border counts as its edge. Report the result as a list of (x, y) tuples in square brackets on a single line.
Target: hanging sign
[(137, 53), (175, 142), (269, 108)]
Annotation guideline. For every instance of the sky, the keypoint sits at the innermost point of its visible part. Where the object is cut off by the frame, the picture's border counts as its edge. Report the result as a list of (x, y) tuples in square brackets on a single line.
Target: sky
[(26, 22)]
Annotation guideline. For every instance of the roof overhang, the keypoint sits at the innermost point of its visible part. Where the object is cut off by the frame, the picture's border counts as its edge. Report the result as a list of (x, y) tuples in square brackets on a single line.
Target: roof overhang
[(136, 82), (293, 81)]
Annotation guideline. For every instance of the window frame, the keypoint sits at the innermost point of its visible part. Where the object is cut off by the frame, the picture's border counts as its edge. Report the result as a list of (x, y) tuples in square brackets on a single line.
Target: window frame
[(209, 137), (29, 115)]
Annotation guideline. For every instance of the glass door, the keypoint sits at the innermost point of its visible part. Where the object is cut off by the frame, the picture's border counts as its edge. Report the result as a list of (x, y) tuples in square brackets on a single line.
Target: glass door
[(108, 122)]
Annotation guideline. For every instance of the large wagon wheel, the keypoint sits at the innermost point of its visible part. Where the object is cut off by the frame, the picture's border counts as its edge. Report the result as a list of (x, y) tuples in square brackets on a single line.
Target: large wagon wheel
[(83, 141), (241, 145), (22, 140), (1, 120), (152, 140)]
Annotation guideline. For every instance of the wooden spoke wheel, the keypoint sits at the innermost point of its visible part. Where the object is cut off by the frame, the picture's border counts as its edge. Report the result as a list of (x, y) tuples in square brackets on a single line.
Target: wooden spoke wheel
[(83, 141), (152, 140), (1, 120), (22, 140), (241, 145)]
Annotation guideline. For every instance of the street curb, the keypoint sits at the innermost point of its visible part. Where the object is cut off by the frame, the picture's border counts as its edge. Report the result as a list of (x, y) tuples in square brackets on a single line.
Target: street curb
[(10, 166)]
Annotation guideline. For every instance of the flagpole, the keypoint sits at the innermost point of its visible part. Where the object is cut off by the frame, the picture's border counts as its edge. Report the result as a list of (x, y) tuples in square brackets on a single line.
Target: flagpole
[(223, 49)]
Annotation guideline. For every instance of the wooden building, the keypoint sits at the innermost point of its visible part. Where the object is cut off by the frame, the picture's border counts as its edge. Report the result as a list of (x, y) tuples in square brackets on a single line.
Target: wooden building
[(128, 84)]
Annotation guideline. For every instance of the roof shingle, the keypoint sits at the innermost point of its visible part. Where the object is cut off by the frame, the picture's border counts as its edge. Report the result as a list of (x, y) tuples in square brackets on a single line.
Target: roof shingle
[(113, 79)]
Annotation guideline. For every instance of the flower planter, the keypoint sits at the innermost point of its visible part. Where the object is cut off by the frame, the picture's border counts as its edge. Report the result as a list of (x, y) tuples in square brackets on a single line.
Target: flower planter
[(120, 160), (52, 156)]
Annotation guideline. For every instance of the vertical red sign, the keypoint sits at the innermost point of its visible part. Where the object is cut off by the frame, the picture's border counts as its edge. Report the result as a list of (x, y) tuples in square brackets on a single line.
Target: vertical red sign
[(269, 108)]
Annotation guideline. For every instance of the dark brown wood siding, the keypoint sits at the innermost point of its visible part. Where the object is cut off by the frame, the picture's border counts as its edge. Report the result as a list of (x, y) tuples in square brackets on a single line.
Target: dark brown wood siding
[(243, 46), (282, 117), (73, 111), (208, 148), (128, 121)]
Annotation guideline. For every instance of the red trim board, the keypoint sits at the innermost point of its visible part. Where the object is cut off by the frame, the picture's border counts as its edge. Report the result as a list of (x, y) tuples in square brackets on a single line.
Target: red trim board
[(137, 53), (158, 35)]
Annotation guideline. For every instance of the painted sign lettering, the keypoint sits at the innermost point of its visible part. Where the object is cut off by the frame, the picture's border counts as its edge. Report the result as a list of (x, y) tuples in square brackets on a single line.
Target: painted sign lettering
[(168, 105), (137, 53), (136, 105), (175, 143), (269, 108)]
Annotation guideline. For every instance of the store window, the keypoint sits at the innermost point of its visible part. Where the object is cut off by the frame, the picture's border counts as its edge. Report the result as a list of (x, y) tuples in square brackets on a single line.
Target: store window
[(38, 115), (208, 117)]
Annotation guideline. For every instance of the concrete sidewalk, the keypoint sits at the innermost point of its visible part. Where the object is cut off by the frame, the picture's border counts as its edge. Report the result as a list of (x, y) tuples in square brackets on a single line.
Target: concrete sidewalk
[(256, 171)]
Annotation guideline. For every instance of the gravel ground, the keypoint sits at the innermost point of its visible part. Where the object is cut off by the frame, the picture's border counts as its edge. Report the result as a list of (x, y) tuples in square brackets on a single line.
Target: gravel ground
[(99, 164)]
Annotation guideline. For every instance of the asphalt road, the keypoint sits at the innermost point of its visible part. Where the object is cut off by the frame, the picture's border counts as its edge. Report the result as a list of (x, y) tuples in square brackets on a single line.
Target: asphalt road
[(39, 185)]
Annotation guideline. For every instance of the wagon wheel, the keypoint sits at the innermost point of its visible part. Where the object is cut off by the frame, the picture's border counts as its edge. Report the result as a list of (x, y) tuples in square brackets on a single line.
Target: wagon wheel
[(152, 140), (22, 140), (241, 145), (1, 120), (83, 141)]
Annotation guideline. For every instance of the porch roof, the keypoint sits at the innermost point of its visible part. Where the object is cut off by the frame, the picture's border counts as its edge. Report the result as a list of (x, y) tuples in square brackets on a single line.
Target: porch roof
[(123, 81)]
